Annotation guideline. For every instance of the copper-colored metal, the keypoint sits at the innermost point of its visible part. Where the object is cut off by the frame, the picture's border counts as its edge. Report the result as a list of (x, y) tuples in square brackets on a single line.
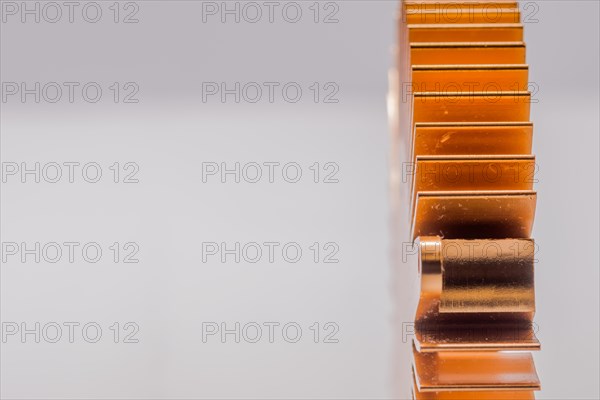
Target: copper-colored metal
[(481, 276), (491, 172), (416, 6), (473, 215), (473, 395), (465, 33), (470, 371), (464, 173), (454, 13), (465, 281), (492, 336), (471, 107), (469, 78), (467, 53), (457, 138)]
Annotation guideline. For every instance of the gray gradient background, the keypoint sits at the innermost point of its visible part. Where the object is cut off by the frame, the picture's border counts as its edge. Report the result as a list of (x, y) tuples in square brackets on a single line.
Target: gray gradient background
[(169, 53)]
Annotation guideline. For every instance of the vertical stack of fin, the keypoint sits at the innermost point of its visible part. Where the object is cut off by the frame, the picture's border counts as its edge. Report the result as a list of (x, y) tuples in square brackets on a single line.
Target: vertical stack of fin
[(465, 173)]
